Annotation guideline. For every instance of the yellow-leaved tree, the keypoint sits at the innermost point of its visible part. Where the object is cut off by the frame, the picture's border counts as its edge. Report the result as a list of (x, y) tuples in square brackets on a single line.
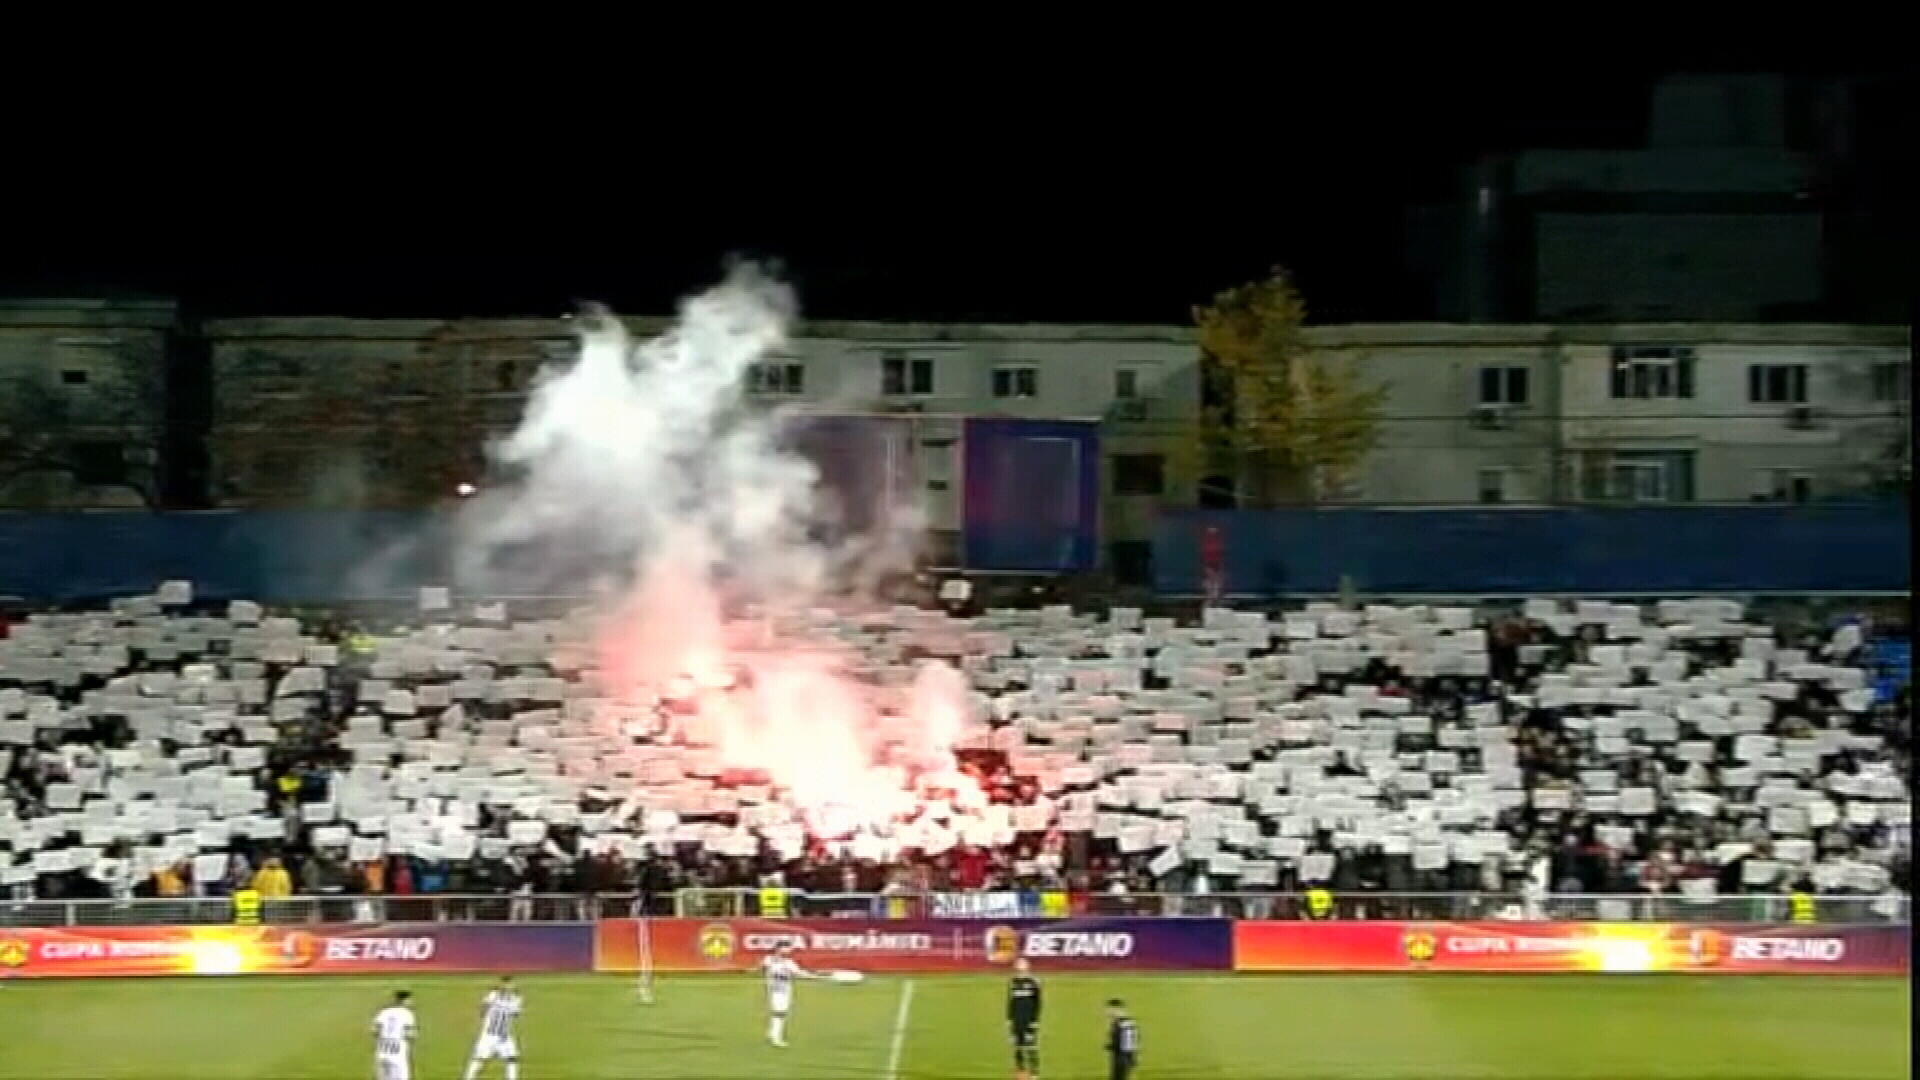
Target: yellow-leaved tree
[(1278, 422)]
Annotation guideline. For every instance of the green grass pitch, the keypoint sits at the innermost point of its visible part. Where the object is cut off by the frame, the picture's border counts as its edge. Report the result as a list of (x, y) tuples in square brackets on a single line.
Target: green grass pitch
[(1553, 1027)]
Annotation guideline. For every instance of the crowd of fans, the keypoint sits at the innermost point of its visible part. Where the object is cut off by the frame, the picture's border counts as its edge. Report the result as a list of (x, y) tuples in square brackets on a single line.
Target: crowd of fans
[(1559, 850)]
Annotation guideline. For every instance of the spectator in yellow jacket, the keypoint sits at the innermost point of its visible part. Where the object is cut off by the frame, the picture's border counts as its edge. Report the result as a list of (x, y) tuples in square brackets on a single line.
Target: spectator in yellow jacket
[(273, 881), (168, 881)]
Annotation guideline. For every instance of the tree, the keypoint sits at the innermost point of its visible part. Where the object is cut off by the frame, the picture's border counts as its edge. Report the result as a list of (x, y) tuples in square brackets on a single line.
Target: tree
[(85, 433), (398, 430), (1284, 424)]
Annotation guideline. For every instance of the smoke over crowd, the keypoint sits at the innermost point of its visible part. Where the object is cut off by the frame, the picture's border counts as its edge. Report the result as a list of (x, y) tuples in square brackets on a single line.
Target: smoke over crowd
[(641, 471)]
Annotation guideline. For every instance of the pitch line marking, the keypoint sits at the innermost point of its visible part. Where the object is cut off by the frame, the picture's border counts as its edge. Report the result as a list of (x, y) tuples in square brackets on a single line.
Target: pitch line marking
[(899, 1042)]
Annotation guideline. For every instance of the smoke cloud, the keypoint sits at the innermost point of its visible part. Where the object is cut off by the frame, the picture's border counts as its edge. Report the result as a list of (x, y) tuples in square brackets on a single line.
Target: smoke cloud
[(641, 470)]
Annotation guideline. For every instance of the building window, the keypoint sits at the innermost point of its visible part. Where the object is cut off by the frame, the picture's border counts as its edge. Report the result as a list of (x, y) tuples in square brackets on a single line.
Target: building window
[(1126, 384), (1783, 486), (1638, 481), (902, 375), (1651, 373), (1892, 381), (1504, 385), (1777, 384), (99, 463), (1493, 485), (395, 383), (1217, 491), (1139, 474), (776, 377), (1131, 562), (73, 377), (1016, 382), (1653, 476)]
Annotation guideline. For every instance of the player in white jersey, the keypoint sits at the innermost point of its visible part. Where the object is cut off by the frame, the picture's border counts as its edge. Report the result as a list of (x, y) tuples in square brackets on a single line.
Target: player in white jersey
[(498, 1012), (781, 970), (393, 1032)]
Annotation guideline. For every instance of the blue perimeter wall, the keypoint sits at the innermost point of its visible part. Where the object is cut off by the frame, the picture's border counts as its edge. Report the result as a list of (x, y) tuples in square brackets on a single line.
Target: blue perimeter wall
[(283, 556), (1032, 496), (1485, 551), (289, 556)]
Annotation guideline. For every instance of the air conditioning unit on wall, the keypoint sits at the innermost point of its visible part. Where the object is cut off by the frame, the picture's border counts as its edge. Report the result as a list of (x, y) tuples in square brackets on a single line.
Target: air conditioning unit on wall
[(1492, 418)]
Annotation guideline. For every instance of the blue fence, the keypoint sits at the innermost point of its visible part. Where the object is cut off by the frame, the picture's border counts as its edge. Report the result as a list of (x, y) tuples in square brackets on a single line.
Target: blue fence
[(1035, 509), (277, 556), (1032, 496), (1483, 551), (1031, 506)]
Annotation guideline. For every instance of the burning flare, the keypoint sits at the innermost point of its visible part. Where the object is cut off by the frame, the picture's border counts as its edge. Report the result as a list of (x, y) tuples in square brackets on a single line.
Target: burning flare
[(642, 463)]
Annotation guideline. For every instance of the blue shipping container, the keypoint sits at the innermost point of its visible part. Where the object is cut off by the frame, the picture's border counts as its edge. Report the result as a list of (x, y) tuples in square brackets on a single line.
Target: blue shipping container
[(1487, 551), (1032, 496)]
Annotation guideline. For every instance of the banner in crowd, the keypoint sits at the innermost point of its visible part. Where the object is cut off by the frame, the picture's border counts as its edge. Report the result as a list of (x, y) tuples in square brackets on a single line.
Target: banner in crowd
[(374, 949), (920, 945), (1570, 947), (995, 905)]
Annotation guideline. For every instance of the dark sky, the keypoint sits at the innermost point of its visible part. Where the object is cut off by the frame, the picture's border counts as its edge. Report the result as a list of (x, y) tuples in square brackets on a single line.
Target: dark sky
[(1121, 193)]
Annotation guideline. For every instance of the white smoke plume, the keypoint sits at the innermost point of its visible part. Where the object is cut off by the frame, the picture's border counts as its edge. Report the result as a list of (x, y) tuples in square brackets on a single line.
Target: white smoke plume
[(642, 469)]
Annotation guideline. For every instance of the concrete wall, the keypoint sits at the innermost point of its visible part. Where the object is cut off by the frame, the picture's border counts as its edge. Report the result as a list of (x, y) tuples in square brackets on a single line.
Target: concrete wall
[(364, 413), (1673, 265), (1429, 449), (82, 398)]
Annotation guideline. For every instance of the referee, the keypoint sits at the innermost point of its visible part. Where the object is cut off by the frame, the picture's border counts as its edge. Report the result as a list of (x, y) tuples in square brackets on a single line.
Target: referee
[(1023, 1020), (1123, 1041)]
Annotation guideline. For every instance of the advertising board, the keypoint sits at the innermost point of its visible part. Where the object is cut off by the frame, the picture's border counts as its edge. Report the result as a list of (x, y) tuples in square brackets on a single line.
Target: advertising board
[(1570, 947), (372, 949), (933, 946), (922, 945)]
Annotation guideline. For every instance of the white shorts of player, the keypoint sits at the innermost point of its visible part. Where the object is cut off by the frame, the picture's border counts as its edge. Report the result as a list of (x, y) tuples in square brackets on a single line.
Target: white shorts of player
[(779, 1002), (393, 1068), (496, 1047)]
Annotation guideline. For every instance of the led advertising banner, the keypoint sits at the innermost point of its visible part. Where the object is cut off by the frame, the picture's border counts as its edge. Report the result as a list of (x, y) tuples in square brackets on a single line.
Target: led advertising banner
[(1570, 947), (921, 945), (372, 949)]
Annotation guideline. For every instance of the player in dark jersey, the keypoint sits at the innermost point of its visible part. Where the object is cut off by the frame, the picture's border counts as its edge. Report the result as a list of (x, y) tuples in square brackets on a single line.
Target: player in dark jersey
[(1023, 1020), (1123, 1041)]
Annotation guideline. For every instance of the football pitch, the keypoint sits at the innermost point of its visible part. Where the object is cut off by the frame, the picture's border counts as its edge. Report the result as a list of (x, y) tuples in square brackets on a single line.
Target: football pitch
[(1322, 1027)]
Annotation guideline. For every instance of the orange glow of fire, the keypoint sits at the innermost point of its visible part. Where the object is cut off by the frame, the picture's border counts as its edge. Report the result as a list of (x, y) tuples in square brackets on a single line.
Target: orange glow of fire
[(848, 756)]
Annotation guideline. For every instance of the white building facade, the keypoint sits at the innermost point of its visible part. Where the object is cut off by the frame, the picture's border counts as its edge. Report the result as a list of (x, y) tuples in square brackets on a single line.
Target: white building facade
[(1692, 412), (1474, 414)]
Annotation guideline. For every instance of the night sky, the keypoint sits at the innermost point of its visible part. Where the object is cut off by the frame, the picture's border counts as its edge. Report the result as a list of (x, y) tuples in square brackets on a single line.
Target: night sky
[(1122, 194)]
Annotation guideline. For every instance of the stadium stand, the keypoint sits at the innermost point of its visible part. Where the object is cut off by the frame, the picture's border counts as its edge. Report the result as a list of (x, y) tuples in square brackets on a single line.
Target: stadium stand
[(1680, 749)]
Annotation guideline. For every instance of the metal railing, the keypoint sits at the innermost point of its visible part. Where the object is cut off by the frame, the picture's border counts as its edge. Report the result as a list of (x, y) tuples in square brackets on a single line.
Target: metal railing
[(329, 908), (718, 903)]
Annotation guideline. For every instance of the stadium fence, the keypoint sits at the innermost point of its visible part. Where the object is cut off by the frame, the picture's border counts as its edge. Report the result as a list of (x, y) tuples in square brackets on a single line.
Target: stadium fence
[(724, 903)]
